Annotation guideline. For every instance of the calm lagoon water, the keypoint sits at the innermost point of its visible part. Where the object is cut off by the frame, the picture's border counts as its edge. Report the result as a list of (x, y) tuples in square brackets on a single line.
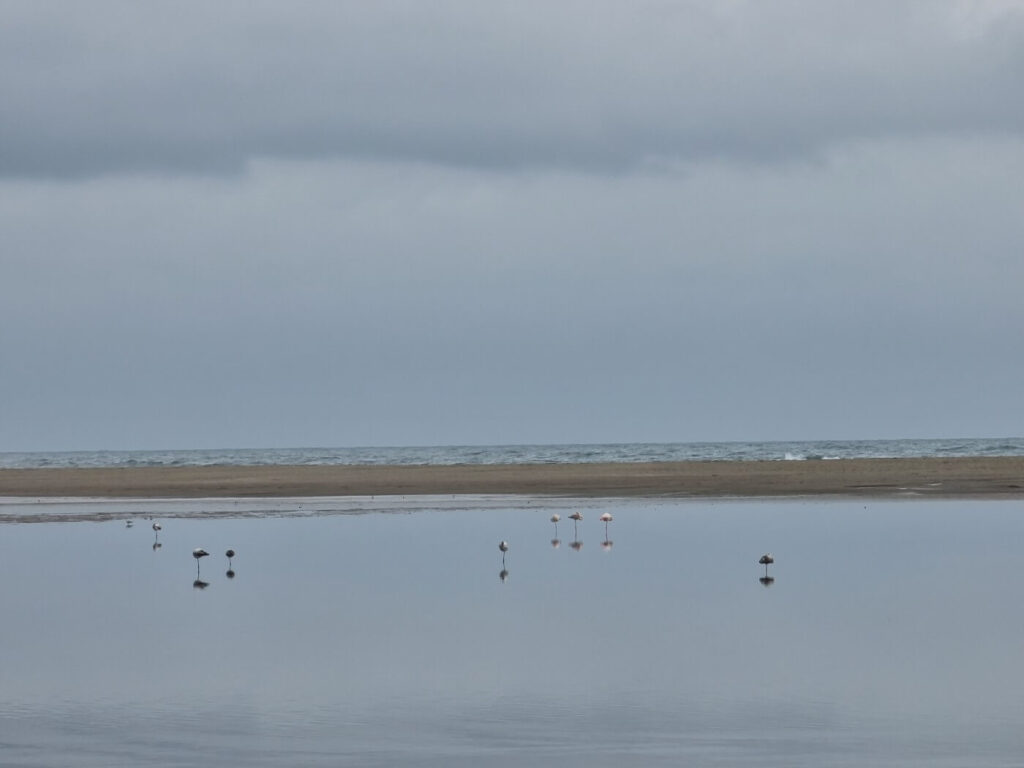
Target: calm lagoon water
[(893, 635)]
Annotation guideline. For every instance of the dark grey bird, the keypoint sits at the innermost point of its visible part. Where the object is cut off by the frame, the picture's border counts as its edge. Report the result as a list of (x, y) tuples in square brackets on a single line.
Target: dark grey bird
[(766, 560), (503, 546)]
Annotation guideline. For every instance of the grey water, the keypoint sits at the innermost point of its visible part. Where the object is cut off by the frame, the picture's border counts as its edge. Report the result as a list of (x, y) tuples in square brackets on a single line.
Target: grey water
[(890, 636), (528, 454)]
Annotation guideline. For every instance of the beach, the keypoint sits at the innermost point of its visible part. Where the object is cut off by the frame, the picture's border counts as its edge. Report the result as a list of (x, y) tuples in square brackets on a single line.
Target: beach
[(961, 477)]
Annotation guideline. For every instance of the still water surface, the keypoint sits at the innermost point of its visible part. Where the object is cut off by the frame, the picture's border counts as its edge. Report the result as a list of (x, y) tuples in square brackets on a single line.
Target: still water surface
[(893, 635)]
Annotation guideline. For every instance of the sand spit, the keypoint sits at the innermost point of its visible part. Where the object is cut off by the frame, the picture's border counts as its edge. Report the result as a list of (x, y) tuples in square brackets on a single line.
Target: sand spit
[(1001, 477)]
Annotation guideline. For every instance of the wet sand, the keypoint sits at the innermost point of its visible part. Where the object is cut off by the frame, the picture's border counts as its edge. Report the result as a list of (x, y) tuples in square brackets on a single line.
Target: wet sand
[(932, 477)]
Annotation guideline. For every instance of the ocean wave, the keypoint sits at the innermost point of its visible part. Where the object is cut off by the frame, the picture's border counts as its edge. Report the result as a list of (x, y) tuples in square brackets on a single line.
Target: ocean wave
[(822, 450)]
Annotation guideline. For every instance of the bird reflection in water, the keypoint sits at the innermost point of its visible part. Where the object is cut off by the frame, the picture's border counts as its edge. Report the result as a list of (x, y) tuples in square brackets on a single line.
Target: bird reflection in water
[(767, 581), (157, 545), (503, 575), (199, 584), (556, 543), (607, 545)]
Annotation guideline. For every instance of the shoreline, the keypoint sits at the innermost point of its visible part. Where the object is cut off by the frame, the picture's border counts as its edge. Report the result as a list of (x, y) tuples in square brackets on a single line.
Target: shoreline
[(960, 477)]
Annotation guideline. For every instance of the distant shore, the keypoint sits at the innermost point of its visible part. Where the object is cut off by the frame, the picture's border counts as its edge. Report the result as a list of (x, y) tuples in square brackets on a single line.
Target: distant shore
[(1001, 477)]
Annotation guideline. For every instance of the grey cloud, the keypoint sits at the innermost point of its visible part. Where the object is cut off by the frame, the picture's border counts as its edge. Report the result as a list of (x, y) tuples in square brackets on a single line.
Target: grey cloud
[(114, 87), (875, 294)]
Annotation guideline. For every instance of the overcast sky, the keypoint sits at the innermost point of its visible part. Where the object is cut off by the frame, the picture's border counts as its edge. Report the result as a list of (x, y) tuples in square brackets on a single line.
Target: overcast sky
[(335, 223)]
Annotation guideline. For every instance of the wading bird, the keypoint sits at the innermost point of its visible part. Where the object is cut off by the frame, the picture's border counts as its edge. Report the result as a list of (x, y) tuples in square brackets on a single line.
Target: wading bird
[(766, 560), (575, 517), (198, 553)]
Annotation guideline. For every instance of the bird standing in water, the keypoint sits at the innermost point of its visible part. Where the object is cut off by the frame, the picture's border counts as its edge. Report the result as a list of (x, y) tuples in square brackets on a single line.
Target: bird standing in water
[(198, 553), (231, 571)]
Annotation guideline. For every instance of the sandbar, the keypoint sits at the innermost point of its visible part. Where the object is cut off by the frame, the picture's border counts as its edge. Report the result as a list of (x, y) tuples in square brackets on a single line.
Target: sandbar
[(969, 477)]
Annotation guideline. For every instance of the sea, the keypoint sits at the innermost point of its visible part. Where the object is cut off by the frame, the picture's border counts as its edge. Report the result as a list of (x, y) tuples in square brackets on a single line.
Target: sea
[(454, 455), (396, 632)]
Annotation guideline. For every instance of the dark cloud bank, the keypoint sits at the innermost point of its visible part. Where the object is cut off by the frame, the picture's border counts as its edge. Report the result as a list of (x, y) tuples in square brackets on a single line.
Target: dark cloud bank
[(112, 87)]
